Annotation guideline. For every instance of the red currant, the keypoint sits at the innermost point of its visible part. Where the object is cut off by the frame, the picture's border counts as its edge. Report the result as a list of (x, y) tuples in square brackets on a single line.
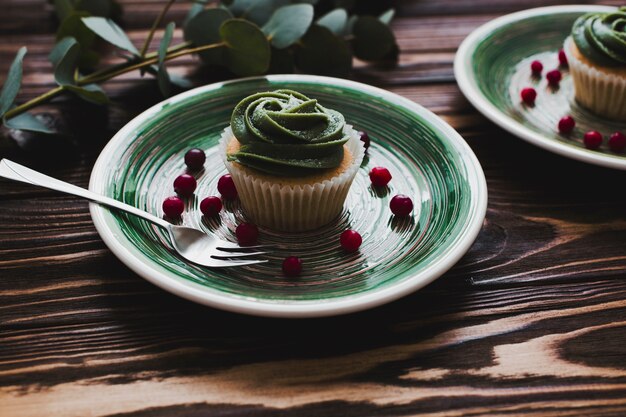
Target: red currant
[(226, 187), (529, 95), (350, 240), (247, 233), (554, 77), (194, 158), (173, 207), (185, 185), (292, 266), (401, 205), (617, 142), (592, 139), (566, 124), (365, 138), (563, 58), (536, 67), (211, 206), (380, 176)]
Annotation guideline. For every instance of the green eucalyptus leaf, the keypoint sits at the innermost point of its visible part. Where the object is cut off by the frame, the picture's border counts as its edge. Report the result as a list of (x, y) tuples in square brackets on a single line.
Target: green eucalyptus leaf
[(12, 84), (63, 8), (180, 81), (163, 77), (27, 121), (204, 29), (256, 11), (350, 25), (110, 32), (102, 8), (240, 7), (322, 52), (288, 24), (387, 16), (195, 8), (282, 61), (165, 41), (373, 40), (335, 21), (90, 92), (247, 49), (64, 58), (73, 26)]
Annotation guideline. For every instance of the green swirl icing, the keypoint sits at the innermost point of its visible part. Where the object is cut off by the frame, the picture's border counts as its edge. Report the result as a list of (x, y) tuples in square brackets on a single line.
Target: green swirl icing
[(601, 37), (285, 133)]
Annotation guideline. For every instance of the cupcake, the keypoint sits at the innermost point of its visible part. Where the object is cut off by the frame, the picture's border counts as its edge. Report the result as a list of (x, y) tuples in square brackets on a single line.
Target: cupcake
[(292, 160), (596, 52)]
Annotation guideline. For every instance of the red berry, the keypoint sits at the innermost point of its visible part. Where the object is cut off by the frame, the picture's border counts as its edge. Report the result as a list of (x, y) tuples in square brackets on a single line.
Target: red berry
[(592, 139), (185, 185), (401, 205), (536, 67), (554, 77), (247, 233), (380, 176), (194, 158), (292, 266), (226, 187), (365, 138), (566, 124), (617, 142), (529, 95), (211, 206), (350, 240), (563, 58), (173, 207)]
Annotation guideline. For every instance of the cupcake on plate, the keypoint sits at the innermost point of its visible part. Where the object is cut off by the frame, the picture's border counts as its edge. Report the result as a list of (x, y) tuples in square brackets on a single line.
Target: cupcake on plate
[(291, 159), (596, 52)]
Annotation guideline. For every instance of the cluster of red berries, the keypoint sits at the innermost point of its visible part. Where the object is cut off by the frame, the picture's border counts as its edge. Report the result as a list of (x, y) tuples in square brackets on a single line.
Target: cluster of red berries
[(593, 139), (554, 77), (401, 205)]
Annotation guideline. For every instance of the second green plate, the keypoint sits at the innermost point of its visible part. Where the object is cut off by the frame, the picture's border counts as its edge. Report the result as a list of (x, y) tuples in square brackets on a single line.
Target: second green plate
[(492, 66)]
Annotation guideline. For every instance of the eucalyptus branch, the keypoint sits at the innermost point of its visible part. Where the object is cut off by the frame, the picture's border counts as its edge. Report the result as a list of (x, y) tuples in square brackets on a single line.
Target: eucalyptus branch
[(302, 40), (24, 107), (112, 72), (146, 63)]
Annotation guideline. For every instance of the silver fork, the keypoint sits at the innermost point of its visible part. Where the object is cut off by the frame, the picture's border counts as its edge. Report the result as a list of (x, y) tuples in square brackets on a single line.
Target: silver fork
[(192, 244)]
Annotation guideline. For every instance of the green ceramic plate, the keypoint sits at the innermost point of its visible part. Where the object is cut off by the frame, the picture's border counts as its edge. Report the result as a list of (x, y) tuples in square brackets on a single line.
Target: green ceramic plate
[(493, 65), (428, 160)]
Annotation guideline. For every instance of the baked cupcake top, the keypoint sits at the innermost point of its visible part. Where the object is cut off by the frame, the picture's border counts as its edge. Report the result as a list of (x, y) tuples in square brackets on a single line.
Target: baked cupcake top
[(601, 37), (286, 133)]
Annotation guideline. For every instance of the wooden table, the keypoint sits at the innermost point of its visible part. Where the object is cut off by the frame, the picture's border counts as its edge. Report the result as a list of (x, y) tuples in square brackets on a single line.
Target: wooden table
[(531, 321)]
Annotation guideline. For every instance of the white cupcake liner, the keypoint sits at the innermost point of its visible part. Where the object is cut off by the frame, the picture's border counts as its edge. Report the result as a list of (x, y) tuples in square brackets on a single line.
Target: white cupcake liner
[(291, 207), (601, 92)]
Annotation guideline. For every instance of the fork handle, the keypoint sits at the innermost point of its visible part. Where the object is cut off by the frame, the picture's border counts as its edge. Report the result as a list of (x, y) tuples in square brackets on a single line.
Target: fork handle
[(17, 172)]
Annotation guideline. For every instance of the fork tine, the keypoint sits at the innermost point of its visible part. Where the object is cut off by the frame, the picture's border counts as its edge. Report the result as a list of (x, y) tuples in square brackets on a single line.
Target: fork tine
[(223, 245), (225, 255), (216, 262)]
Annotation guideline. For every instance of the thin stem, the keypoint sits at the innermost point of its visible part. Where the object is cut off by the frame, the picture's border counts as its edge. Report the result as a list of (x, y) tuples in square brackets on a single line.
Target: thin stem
[(34, 102), (103, 72), (148, 62), (156, 24)]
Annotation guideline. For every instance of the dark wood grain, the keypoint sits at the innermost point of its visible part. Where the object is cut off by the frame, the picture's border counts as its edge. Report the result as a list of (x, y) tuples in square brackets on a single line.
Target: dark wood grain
[(532, 321)]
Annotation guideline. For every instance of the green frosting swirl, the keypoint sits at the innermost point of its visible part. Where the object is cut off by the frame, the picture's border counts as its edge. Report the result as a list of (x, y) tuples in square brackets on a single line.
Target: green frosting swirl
[(601, 37), (285, 133)]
